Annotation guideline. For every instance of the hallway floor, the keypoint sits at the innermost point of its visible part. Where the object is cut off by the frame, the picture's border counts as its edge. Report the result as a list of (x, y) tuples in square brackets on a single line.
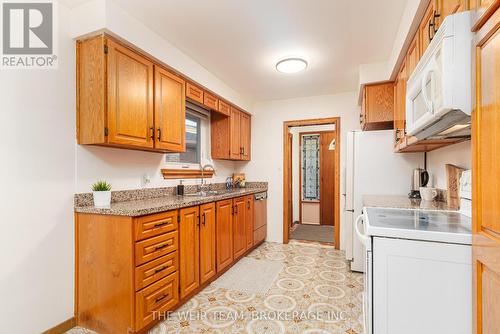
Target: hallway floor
[(321, 233), (314, 293)]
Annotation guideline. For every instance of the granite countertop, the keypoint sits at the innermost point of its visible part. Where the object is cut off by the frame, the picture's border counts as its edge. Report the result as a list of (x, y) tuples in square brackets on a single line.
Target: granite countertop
[(146, 206), (403, 202)]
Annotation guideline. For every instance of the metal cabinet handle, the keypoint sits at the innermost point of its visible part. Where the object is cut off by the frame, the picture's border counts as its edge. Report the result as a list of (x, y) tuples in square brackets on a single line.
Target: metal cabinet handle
[(160, 298), (152, 136), (159, 134), (203, 220), (160, 269), (160, 224), (161, 246)]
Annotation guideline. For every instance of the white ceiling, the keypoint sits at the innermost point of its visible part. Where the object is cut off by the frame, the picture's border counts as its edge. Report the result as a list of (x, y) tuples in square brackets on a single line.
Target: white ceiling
[(240, 41)]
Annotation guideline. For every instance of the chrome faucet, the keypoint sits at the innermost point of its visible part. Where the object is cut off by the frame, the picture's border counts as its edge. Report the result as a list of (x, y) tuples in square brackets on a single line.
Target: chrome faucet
[(202, 169)]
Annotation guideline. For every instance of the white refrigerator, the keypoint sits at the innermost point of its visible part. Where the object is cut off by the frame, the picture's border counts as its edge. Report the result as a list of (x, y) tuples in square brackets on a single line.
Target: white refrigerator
[(372, 168)]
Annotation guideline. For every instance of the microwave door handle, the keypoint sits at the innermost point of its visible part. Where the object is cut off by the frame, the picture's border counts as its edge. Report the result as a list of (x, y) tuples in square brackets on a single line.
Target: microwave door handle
[(425, 78)]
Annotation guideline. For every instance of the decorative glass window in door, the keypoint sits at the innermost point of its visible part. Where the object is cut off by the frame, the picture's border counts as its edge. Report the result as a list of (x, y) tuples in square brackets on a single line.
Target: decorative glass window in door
[(310, 167)]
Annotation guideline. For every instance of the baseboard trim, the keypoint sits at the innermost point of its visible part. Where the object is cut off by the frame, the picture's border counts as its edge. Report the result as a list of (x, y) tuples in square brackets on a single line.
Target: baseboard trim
[(63, 327)]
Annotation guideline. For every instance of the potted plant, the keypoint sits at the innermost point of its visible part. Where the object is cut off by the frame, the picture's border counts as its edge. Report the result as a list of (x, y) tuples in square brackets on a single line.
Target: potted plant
[(102, 194)]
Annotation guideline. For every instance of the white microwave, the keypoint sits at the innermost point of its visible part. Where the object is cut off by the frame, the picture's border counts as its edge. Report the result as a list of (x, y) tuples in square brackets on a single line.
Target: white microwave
[(439, 92)]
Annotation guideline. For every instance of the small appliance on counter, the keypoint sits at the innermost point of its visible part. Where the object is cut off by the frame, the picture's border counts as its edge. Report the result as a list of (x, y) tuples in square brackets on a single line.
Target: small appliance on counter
[(420, 179)]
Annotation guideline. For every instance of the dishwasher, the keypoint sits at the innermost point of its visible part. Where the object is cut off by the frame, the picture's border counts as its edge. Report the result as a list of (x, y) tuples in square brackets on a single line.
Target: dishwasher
[(260, 218)]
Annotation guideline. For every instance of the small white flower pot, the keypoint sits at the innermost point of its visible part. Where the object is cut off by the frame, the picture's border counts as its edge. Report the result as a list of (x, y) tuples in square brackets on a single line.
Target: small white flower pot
[(102, 199)]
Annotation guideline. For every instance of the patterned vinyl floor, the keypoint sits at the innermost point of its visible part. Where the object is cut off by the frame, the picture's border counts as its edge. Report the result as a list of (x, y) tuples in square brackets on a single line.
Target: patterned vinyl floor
[(315, 293)]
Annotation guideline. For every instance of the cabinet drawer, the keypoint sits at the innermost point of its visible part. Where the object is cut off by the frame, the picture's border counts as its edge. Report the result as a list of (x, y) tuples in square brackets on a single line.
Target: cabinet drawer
[(210, 101), (155, 247), (259, 234), (157, 269), (193, 92), (224, 108), (162, 296), (153, 225)]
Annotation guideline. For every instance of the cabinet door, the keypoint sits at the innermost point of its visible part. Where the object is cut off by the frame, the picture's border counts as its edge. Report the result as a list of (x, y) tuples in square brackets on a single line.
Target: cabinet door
[(413, 55), (245, 136), (426, 28), (235, 134), (130, 97), (170, 111), (224, 228), (449, 7), (239, 227), (485, 183), (400, 102), (249, 217), (220, 129), (207, 242), (189, 250), (379, 107)]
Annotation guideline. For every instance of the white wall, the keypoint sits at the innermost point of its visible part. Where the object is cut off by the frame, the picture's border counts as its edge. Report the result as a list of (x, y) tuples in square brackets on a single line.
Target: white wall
[(267, 142), (37, 119), (458, 154)]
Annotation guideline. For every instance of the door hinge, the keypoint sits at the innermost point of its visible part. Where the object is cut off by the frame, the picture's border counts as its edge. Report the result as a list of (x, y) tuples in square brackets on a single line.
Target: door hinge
[(106, 49), (106, 131)]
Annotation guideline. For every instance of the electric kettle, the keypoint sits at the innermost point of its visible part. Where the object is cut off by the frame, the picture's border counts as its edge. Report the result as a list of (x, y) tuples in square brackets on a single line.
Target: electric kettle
[(420, 179)]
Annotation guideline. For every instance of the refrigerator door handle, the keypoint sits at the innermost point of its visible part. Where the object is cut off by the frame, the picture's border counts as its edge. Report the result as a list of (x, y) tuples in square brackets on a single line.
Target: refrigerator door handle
[(362, 237)]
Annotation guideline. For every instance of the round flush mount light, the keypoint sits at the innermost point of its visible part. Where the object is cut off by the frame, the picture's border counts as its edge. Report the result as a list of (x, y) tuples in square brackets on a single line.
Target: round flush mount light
[(291, 65)]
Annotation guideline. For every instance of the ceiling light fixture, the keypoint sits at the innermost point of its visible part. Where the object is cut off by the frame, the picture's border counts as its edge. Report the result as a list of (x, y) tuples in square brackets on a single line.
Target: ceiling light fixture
[(291, 65)]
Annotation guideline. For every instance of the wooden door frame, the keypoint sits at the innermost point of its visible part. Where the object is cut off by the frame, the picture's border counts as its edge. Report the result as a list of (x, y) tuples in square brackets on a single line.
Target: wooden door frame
[(287, 156)]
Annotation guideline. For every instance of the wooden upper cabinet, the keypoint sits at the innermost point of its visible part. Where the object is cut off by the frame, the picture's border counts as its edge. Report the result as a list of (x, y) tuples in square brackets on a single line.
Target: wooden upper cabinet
[(427, 27), (412, 56), (400, 102), (224, 238), (245, 136), (170, 111), (249, 220), (486, 183), (210, 101), (378, 106), (117, 104), (224, 108), (194, 93), (449, 7), (207, 242), (220, 128), (189, 250), (239, 227), (235, 138), (130, 97)]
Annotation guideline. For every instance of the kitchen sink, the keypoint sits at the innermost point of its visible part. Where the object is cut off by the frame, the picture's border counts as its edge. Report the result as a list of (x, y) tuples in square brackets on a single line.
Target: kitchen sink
[(203, 193)]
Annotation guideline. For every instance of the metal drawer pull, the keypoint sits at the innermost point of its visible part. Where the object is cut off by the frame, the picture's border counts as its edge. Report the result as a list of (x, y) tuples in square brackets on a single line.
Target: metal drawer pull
[(161, 246), (160, 269), (160, 224), (159, 299)]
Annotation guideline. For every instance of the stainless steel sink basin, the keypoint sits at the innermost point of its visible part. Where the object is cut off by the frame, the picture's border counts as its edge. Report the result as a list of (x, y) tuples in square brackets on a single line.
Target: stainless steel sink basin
[(203, 193)]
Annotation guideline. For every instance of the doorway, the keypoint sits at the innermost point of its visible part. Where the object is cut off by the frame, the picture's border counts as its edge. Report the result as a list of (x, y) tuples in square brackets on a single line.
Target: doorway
[(311, 180)]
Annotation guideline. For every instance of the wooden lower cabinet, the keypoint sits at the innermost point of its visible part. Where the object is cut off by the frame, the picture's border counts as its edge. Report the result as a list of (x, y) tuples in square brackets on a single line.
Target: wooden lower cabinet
[(131, 270), (189, 250), (208, 267), (224, 226), (249, 221), (239, 228)]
